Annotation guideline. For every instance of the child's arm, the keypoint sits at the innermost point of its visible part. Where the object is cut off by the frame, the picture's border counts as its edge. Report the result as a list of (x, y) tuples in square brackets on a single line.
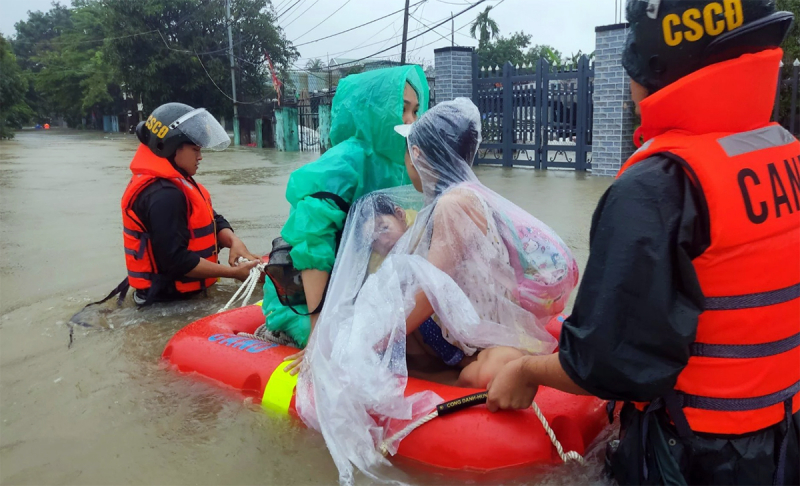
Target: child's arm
[(452, 215)]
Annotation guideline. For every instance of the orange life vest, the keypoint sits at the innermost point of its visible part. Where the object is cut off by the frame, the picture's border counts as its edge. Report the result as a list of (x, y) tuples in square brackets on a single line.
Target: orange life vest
[(744, 371), (142, 270)]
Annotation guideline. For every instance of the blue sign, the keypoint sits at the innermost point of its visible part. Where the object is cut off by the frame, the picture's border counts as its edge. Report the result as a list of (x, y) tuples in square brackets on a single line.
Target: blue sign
[(241, 343)]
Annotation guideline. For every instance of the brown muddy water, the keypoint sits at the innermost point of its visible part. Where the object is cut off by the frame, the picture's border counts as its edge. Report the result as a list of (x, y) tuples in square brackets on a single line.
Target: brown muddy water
[(105, 411)]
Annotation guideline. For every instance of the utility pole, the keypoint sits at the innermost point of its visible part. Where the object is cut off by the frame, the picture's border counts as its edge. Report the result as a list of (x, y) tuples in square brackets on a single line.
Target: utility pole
[(405, 35), (452, 30), (233, 73)]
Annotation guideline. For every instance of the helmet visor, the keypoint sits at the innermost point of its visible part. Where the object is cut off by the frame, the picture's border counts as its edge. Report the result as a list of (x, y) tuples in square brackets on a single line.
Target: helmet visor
[(202, 129)]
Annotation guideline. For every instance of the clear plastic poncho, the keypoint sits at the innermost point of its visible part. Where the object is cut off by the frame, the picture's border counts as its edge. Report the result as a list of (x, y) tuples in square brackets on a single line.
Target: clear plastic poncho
[(468, 249)]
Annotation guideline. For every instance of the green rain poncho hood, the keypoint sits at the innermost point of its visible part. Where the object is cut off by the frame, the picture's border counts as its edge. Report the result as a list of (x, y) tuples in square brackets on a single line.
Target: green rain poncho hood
[(367, 155)]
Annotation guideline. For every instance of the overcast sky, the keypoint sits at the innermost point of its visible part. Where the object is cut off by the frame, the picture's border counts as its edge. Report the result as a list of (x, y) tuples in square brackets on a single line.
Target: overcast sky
[(568, 25)]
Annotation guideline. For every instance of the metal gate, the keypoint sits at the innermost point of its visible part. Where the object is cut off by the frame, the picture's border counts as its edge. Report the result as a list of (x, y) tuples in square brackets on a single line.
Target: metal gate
[(787, 98), (308, 121), (538, 116)]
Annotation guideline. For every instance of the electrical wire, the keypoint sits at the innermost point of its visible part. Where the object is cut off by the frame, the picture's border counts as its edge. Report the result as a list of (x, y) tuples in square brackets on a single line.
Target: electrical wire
[(323, 20), (419, 35), (426, 25), (284, 12), (301, 15), (223, 92), (357, 26), (382, 41)]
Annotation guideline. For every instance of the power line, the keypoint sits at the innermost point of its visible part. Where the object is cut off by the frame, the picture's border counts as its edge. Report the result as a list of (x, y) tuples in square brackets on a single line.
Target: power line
[(357, 26), (290, 7), (382, 41), (280, 5), (323, 20), (419, 35), (223, 92), (103, 39), (299, 16), (426, 25), (217, 51)]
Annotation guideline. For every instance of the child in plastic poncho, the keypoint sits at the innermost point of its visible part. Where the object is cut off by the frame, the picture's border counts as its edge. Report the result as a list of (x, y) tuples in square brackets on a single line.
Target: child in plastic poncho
[(430, 341), (452, 262)]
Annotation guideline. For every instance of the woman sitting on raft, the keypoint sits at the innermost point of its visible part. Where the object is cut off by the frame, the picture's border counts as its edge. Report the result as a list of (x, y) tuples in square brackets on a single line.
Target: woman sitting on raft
[(367, 155), (474, 272)]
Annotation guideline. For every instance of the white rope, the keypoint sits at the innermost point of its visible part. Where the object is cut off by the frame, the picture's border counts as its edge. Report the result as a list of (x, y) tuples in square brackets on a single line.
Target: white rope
[(248, 286), (565, 456)]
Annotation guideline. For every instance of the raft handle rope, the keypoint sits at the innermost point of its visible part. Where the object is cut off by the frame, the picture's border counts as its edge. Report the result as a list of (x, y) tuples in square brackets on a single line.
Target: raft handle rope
[(477, 399), (248, 286)]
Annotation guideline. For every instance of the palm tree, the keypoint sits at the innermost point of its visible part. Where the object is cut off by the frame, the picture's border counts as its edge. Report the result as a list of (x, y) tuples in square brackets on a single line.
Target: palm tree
[(315, 65), (485, 25)]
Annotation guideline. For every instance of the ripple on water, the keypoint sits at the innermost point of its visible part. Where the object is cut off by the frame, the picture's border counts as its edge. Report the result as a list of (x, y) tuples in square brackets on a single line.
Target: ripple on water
[(251, 175)]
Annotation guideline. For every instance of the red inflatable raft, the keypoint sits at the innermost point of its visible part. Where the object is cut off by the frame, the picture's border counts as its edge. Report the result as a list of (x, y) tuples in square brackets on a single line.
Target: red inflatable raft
[(471, 440)]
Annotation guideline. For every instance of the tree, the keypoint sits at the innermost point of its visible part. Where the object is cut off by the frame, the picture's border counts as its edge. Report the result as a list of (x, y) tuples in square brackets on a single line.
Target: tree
[(90, 57), (14, 111), (34, 38), (484, 25), (315, 65), (549, 53), (73, 73), (513, 49), (503, 49), (184, 56)]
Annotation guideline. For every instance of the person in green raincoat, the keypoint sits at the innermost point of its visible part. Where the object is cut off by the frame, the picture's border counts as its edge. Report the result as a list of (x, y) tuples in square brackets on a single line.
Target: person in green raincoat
[(367, 155)]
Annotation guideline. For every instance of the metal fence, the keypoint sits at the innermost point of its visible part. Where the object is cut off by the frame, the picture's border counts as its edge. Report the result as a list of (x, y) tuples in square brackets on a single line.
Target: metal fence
[(538, 116), (308, 122), (786, 102)]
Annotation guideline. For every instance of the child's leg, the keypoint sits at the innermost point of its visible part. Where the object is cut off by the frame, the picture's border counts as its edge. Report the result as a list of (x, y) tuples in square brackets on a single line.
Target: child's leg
[(480, 372)]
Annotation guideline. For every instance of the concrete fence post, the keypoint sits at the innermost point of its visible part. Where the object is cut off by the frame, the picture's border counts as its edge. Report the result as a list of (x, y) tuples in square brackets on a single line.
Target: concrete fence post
[(324, 128), (614, 111), (453, 73), (286, 136)]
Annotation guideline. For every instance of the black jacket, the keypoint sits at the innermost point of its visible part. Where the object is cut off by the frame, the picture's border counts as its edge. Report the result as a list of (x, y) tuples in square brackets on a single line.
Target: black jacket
[(162, 209), (634, 318)]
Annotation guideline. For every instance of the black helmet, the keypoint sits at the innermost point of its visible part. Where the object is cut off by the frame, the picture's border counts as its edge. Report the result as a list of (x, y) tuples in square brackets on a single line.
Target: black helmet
[(669, 39), (173, 124)]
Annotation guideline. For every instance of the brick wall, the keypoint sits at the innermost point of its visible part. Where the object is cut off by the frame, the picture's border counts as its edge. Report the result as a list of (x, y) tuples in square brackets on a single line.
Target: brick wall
[(453, 73), (614, 116)]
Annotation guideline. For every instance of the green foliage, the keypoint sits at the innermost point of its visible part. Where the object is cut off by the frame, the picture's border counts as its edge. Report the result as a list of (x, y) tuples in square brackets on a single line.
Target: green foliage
[(515, 49), (14, 111), (484, 25), (100, 55), (315, 65), (195, 57)]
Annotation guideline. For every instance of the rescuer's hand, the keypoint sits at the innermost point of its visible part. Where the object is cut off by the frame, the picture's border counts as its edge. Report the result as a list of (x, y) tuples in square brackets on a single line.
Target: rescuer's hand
[(511, 388), (242, 271), (239, 250)]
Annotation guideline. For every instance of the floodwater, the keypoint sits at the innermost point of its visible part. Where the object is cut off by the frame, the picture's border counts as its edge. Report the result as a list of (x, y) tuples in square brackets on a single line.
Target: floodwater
[(105, 411)]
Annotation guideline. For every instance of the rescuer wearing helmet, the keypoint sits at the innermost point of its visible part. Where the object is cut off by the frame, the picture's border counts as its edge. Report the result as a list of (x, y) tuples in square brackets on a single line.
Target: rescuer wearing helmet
[(689, 308), (171, 232)]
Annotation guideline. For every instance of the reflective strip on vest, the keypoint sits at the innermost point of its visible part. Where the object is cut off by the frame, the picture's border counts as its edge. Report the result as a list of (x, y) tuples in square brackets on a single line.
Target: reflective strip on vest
[(761, 299), (211, 250), (142, 275), (744, 351), (738, 404), (755, 140), (204, 231), (143, 237)]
